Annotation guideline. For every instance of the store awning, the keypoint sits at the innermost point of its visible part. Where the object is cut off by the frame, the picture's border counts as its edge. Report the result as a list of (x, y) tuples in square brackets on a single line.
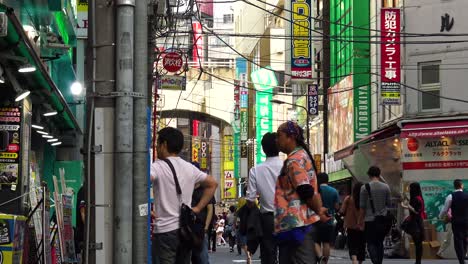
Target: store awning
[(435, 129), (383, 133), (22, 46)]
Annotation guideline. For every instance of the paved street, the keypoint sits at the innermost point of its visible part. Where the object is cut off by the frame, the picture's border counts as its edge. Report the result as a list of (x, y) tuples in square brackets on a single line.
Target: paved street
[(223, 256)]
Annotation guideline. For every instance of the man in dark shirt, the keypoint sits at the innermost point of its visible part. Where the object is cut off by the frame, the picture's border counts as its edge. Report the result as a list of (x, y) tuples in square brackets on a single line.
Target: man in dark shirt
[(459, 207), (200, 256), (80, 220)]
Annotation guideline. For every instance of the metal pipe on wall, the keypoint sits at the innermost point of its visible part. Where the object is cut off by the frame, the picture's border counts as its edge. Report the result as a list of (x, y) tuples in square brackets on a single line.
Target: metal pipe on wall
[(140, 134), (123, 184)]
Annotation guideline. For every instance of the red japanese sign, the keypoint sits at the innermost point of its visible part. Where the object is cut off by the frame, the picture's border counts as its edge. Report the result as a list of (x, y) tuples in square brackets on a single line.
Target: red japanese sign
[(390, 56), (173, 62), (197, 52)]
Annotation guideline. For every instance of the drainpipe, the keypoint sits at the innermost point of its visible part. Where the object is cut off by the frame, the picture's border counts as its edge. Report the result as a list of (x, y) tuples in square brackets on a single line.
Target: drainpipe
[(123, 178), (140, 139)]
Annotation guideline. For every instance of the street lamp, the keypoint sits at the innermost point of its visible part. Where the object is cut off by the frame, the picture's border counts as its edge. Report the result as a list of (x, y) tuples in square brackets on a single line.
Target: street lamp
[(275, 101)]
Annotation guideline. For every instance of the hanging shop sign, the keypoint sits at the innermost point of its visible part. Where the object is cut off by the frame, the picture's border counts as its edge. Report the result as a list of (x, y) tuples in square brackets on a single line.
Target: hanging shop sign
[(229, 185), (390, 56), (173, 62), (301, 43), (229, 177), (312, 99), (172, 83), (264, 80), (236, 100), (82, 19), (10, 142)]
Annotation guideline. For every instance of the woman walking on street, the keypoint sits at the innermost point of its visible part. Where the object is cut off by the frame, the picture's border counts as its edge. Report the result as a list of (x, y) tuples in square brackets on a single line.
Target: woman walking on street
[(356, 237), (415, 225), (298, 205)]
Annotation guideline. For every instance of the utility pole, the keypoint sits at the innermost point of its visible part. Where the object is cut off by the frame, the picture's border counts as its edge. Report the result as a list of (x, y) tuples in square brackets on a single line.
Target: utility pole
[(140, 134), (326, 76), (123, 184), (99, 151)]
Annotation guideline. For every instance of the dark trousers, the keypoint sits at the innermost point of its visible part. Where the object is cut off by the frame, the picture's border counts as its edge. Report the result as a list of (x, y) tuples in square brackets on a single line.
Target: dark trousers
[(374, 239), (268, 248), (299, 254), (460, 236), (211, 240), (356, 244), (167, 249)]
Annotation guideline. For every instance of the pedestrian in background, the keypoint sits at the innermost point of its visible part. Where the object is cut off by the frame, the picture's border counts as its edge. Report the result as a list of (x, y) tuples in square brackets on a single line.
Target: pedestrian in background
[(241, 226), (212, 232), (457, 202), (415, 220), (262, 182), (220, 232), (297, 201), (229, 230), (352, 217), (374, 201), (167, 247), (326, 230)]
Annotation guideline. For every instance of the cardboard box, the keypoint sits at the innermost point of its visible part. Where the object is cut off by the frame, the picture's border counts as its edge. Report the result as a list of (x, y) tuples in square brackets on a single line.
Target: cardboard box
[(429, 250), (430, 233)]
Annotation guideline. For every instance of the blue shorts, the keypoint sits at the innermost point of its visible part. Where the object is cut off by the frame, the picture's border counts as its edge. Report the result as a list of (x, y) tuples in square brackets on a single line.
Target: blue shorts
[(241, 239)]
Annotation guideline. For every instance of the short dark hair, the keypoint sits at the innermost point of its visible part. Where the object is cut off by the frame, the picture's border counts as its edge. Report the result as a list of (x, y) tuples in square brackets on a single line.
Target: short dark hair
[(173, 138), (457, 184), (373, 171), (269, 145), (322, 178)]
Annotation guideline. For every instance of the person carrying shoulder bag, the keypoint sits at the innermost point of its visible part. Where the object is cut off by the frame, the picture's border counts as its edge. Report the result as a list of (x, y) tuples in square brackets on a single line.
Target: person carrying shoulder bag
[(374, 202)]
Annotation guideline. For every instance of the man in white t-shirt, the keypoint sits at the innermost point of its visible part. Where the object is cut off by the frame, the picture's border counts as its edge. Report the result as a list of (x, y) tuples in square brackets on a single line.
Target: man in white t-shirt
[(166, 245)]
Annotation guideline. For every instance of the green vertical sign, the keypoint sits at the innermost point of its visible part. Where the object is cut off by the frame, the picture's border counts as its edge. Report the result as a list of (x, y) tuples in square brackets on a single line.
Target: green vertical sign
[(362, 112), (264, 80), (263, 121)]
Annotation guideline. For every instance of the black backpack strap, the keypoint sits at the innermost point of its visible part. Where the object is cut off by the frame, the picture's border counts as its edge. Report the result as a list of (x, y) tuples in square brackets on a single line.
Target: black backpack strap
[(370, 197), (169, 163)]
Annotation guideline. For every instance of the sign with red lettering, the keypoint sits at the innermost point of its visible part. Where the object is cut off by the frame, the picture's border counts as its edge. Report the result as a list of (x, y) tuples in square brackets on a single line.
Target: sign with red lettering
[(173, 62), (390, 56)]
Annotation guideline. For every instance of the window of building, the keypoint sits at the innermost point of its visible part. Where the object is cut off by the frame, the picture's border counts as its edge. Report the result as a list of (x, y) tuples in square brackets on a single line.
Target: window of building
[(429, 84), (228, 18)]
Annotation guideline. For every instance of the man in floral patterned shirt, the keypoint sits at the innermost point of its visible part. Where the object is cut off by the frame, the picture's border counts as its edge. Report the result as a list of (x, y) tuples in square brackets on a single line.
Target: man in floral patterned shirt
[(297, 202)]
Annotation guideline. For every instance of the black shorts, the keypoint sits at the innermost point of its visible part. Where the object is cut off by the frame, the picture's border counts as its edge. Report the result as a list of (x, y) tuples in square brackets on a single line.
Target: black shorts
[(325, 233)]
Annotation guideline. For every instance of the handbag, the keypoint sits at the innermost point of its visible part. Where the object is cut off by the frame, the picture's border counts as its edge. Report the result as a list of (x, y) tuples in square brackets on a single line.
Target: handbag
[(191, 231), (386, 220), (406, 224)]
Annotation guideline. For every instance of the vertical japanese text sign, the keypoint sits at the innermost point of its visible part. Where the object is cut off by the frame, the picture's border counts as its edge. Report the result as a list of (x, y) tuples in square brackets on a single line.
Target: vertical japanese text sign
[(301, 44), (390, 56), (312, 99)]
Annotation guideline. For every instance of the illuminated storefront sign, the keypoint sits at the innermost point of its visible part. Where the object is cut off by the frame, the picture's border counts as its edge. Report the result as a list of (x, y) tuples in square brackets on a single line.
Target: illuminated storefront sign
[(301, 44), (264, 80)]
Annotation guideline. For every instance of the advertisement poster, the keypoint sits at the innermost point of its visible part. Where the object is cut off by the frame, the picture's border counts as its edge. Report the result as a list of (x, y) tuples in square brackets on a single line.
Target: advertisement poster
[(390, 56), (229, 185), (340, 111), (229, 177), (197, 52), (67, 241), (10, 142), (434, 194), (171, 82), (12, 229), (301, 43)]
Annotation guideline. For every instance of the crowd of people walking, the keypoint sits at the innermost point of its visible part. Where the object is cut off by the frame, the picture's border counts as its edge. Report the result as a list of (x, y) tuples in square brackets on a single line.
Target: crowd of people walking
[(288, 211)]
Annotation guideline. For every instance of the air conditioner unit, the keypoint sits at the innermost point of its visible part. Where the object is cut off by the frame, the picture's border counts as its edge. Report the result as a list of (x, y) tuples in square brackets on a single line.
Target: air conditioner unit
[(3, 24)]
